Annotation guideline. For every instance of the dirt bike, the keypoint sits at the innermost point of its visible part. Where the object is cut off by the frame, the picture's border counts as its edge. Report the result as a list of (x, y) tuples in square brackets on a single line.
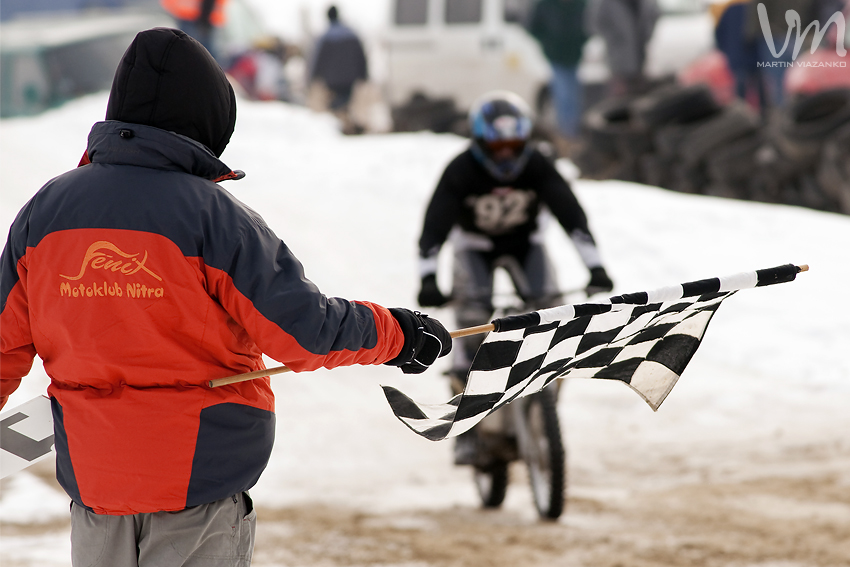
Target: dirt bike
[(529, 430)]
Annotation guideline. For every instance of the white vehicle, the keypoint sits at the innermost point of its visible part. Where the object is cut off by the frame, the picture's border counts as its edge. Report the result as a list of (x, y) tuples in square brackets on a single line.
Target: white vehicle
[(458, 49), (452, 51)]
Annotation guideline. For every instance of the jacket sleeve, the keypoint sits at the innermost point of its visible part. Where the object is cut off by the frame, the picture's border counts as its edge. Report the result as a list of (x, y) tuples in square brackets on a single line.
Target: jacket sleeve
[(442, 212), (556, 193), (262, 285), (17, 351)]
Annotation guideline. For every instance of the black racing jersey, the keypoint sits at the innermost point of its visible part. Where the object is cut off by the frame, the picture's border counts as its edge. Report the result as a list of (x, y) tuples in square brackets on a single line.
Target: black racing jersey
[(506, 213)]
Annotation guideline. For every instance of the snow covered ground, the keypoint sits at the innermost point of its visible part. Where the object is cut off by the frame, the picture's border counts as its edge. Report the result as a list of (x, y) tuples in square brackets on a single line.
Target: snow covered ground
[(765, 396)]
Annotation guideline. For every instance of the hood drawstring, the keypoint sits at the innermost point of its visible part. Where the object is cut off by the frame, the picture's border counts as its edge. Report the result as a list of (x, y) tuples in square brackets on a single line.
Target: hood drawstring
[(235, 174)]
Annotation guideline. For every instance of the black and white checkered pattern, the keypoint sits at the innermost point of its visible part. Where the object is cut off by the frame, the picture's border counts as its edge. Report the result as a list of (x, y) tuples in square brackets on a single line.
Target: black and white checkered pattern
[(26, 435), (645, 340)]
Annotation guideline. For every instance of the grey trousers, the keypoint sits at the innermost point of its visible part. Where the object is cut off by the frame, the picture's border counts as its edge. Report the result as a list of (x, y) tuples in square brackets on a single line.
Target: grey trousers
[(218, 534), (533, 277)]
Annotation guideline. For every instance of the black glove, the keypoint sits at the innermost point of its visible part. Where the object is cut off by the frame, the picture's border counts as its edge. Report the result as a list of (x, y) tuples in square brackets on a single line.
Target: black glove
[(599, 281), (425, 340), (430, 294)]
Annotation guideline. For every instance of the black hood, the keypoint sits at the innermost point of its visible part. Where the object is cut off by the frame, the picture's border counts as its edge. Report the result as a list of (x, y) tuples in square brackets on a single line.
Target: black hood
[(168, 80)]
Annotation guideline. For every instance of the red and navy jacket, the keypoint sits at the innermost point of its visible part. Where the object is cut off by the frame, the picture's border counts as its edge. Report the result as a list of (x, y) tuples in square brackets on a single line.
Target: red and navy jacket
[(137, 279)]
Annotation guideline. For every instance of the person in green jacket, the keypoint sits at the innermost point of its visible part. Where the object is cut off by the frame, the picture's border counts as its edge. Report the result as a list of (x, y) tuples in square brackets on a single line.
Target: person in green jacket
[(558, 25)]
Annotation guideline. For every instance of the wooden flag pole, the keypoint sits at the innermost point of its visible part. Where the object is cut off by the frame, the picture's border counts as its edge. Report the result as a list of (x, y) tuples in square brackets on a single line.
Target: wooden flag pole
[(477, 330), (281, 369)]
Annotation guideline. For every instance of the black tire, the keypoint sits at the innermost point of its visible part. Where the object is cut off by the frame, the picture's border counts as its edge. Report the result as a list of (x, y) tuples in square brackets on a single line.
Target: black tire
[(668, 139), (423, 113), (606, 122), (492, 483), (811, 194), (687, 178), (595, 164), (674, 103), (800, 128), (816, 116), (734, 161), (547, 462), (776, 168), (654, 170), (732, 123)]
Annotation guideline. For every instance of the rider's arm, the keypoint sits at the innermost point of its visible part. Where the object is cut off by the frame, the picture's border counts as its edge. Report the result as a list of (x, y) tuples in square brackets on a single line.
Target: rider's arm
[(440, 216), (556, 193)]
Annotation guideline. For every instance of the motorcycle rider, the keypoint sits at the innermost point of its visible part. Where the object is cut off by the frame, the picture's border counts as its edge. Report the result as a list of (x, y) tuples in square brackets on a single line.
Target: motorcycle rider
[(488, 203)]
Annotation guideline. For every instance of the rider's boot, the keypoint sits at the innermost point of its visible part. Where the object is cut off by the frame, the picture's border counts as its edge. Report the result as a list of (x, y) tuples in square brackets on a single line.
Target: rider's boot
[(466, 448), (466, 444)]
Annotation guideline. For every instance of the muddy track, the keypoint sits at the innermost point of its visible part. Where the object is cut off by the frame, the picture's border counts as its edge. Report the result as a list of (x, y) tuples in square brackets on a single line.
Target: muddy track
[(786, 522), (796, 513)]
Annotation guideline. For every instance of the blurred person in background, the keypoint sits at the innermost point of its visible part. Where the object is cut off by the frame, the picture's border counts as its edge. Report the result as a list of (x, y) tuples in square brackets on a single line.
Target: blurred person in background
[(199, 19), (489, 198), (338, 62), (774, 29), (731, 39), (626, 26), (260, 70), (137, 279), (558, 25)]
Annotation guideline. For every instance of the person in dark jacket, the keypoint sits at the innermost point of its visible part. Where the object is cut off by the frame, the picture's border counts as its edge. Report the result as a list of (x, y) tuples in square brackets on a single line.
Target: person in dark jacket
[(766, 25), (626, 26), (137, 280), (489, 199), (338, 63), (558, 25), (731, 39)]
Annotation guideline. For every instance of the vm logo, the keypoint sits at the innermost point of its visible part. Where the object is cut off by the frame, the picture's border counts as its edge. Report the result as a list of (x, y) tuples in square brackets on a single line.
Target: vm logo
[(792, 18)]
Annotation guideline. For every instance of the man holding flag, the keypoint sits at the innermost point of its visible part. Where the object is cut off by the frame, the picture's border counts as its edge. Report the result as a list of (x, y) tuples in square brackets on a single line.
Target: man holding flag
[(137, 279)]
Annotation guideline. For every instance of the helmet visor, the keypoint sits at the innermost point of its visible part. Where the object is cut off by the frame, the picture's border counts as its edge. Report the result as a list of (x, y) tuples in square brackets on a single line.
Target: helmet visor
[(504, 149)]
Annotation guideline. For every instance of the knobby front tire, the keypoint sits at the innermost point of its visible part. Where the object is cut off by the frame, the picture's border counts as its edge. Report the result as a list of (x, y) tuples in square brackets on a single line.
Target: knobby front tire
[(492, 484), (546, 459)]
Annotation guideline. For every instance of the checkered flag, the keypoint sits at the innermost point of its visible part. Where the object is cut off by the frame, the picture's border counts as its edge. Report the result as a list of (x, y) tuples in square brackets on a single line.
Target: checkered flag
[(26, 435), (644, 339)]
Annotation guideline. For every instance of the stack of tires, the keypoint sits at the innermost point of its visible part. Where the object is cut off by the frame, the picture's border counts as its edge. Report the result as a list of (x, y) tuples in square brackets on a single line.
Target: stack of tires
[(680, 138), (802, 162), (423, 113)]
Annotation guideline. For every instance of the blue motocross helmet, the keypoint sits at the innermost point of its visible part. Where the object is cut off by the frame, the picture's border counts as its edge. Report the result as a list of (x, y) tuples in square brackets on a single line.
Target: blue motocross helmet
[(500, 126)]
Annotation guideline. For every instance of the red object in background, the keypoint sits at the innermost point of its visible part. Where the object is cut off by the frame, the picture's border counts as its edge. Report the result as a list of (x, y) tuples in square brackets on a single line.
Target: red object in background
[(711, 69), (244, 71), (818, 71), (809, 73)]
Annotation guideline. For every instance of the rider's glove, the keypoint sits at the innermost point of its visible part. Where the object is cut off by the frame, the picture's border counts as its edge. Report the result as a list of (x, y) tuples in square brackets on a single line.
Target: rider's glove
[(425, 340), (430, 294), (599, 281)]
